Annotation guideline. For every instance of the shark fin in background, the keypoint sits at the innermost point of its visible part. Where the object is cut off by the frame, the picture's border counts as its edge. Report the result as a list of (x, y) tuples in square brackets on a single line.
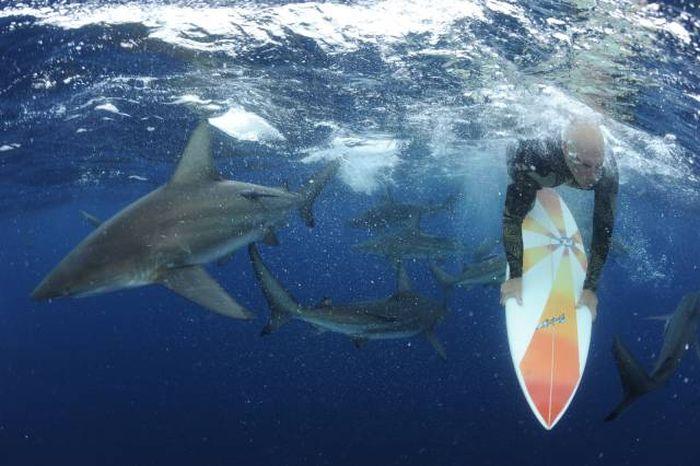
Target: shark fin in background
[(223, 260), (635, 382), (445, 279), (325, 302), (197, 163), (403, 282), (91, 219), (439, 349), (663, 318), (312, 188), (359, 342), (195, 284), (282, 305), (271, 238)]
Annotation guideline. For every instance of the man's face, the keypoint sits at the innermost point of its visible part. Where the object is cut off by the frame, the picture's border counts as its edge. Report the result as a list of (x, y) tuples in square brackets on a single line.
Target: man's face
[(585, 163)]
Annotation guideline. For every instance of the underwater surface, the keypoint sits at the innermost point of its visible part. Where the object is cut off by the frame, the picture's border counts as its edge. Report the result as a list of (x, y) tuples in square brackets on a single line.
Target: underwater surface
[(418, 101)]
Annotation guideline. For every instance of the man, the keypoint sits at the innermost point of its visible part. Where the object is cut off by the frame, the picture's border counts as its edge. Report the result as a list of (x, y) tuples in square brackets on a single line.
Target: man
[(576, 159)]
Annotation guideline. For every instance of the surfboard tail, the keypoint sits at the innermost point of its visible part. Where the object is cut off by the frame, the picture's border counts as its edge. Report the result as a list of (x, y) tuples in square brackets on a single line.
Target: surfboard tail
[(635, 381)]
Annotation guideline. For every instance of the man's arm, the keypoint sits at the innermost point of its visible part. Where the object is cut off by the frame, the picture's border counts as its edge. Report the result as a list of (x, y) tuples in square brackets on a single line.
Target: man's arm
[(520, 197), (603, 223)]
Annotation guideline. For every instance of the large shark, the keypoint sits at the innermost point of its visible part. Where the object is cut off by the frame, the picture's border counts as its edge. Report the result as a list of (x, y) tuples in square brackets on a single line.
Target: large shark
[(166, 236), (489, 271), (411, 243), (680, 334), (402, 315), (390, 213)]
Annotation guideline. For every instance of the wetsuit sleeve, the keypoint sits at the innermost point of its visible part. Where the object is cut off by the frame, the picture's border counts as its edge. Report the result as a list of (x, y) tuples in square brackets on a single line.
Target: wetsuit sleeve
[(520, 197), (603, 222)]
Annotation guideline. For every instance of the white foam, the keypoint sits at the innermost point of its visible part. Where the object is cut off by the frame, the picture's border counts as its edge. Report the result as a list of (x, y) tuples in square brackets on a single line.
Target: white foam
[(246, 126), (365, 160), (8, 147), (108, 107)]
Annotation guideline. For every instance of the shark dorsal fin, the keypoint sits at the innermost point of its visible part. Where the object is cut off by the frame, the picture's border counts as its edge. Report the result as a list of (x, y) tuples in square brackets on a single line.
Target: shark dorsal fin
[(403, 282), (197, 164)]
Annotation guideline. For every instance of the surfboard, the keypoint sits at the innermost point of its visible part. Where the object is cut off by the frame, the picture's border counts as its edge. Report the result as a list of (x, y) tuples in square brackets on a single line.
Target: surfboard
[(548, 336)]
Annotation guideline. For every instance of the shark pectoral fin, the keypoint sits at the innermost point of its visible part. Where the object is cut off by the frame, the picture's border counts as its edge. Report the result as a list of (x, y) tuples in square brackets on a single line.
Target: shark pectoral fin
[(92, 220), (195, 284), (270, 238), (432, 338), (359, 342), (196, 163)]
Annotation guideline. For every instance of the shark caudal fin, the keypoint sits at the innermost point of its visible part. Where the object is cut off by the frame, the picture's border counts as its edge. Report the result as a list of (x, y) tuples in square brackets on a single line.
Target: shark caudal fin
[(635, 381), (283, 307), (312, 188)]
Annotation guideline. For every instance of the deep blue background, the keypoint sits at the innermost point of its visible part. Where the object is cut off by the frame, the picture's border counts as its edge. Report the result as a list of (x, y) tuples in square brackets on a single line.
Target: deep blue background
[(143, 377)]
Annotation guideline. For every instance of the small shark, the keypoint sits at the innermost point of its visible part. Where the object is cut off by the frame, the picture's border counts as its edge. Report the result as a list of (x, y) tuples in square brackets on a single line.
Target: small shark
[(166, 236), (402, 315), (411, 243), (680, 334), (390, 214), (489, 271)]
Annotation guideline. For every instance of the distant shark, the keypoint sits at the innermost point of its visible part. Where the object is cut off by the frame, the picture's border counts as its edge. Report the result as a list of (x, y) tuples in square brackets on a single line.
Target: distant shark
[(680, 333), (402, 315), (490, 271), (166, 236), (411, 243), (390, 214)]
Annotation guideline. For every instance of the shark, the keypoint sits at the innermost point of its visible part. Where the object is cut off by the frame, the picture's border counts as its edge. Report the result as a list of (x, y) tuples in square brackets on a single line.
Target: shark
[(166, 236), (679, 335), (489, 271), (404, 314), (390, 213), (411, 243)]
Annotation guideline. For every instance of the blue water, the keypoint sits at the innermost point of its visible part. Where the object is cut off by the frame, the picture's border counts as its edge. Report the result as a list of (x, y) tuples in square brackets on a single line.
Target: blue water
[(420, 96)]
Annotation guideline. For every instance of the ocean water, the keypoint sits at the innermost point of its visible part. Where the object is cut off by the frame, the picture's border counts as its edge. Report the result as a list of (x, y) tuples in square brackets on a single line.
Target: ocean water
[(97, 100)]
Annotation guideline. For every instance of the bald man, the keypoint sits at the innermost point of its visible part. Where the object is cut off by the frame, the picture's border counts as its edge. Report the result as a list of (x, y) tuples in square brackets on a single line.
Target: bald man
[(576, 158)]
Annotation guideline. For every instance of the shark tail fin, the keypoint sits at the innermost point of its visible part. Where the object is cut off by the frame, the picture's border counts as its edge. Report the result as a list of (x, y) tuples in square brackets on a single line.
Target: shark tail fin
[(312, 188), (283, 307), (635, 381)]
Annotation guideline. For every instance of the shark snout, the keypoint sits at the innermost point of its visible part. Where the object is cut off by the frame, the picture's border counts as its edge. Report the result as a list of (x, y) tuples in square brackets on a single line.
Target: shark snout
[(46, 290)]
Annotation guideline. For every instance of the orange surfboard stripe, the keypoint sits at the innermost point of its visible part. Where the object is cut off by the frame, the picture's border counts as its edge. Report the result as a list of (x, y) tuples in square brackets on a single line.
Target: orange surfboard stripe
[(550, 366)]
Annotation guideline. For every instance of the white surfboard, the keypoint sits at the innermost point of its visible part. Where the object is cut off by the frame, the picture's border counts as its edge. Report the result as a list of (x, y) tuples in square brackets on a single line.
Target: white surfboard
[(548, 336)]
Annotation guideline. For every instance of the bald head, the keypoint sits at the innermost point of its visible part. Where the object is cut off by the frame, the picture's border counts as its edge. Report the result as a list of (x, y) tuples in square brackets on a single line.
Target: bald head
[(584, 150)]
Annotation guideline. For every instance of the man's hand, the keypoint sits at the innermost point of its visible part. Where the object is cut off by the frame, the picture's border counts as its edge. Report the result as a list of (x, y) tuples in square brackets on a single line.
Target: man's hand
[(512, 288), (590, 300)]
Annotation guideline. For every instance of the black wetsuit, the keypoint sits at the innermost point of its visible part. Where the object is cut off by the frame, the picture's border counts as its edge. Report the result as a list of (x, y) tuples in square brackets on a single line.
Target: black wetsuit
[(535, 164)]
